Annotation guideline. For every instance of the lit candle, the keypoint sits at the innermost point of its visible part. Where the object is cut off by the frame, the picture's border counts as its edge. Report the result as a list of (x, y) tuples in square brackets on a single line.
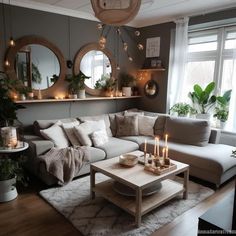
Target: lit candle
[(163, 152), (154, 151), (145, 145), (158, 153), (166, 138), (166, 152)]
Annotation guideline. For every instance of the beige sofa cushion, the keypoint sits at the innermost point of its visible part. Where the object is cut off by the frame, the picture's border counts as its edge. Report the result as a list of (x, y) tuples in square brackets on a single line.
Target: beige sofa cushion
[(126, 125), (104, 117), (84, 130), (57, 135), (188, 131)]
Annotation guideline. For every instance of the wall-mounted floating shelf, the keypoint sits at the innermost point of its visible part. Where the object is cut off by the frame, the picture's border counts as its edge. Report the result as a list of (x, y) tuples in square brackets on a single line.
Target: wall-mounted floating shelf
[(152, 69), (74, 100)]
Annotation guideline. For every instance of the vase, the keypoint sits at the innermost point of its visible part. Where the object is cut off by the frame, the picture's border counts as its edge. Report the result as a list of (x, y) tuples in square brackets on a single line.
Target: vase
[(222, 124), (73, 96), (22, 97), (126, 91), (7, 190), (9, 136), (81, 94)]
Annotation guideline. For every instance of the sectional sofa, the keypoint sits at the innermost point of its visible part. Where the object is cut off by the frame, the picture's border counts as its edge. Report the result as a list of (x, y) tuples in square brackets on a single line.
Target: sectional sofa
[(191, 141)]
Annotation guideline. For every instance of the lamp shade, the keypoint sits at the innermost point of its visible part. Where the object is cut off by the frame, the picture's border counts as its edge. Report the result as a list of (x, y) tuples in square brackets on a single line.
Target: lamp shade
[(115, 12)]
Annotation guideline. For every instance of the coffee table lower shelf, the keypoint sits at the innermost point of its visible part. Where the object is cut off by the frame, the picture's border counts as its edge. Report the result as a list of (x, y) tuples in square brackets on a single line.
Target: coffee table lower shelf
[(169, 190)]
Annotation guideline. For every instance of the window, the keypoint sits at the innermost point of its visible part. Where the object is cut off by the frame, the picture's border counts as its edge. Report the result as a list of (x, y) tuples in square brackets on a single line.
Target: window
[(211, 57)]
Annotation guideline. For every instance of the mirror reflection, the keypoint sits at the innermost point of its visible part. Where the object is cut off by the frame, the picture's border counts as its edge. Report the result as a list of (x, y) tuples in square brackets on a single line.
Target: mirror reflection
[(151, 88), (37, 66), (96, 65)]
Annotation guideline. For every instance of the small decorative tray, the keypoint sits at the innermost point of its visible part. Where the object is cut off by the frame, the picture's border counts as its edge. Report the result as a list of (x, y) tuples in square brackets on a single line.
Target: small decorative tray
[(160, 170)]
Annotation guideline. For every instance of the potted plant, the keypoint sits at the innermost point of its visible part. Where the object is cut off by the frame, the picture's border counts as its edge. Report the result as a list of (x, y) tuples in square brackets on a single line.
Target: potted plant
[(7, 106), (182, 109), (11, 172), (77, 84), (203, 99), (107, 84), (222, 108), (23, 91), (127, 81)]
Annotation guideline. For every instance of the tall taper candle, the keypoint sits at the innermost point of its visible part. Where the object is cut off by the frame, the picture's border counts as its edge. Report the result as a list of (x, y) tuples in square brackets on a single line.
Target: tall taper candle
[(167, 152), (158, 151), (145, 145), (166, 138), (163, 152), (155, 144)]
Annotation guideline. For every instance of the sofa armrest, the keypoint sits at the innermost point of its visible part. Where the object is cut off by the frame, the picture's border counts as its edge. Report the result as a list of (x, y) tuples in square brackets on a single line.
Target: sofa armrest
[(215, 136), (39, 147)]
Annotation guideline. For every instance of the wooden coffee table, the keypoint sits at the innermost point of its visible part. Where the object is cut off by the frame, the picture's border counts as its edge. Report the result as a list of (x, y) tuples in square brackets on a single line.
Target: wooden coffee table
[(138, 179)]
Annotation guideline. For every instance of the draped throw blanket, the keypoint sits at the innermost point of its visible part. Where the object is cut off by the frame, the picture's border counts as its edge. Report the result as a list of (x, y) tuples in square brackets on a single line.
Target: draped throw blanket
[(65, 163)]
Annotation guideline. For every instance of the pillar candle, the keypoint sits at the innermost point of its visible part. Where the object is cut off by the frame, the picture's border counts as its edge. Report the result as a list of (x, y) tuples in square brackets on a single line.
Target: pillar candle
[(158, 152), (167, 152), (154, 151), (166, 138), (163, 152), (145, 146)]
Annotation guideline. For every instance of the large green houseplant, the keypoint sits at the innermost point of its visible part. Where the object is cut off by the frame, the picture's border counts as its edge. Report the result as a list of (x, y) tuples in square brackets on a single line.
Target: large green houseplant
[(203, 99), (77, 84)]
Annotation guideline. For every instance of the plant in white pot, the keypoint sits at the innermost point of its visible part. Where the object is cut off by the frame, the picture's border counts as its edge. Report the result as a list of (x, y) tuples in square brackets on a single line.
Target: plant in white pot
[(203, 100), (127, 81), (182, 109), (222, 108), (77, 84)]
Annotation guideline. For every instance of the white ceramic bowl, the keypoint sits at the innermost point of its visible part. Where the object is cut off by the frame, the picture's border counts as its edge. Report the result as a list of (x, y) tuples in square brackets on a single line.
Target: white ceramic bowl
[(128, 159)]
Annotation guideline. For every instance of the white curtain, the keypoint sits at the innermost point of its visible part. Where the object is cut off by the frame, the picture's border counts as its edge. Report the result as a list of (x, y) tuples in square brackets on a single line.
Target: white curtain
[(231, 123), (178, 61)]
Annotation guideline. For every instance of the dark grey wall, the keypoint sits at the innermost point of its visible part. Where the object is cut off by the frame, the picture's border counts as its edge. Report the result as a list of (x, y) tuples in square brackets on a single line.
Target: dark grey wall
[(54, 27)]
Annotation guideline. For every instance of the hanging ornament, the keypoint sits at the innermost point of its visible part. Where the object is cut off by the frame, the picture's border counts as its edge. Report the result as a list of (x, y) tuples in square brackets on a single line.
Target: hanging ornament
[(137, 33), (12, 42), (99, 26), (7, 63), (125, 46), (130, 58), (140, 47)]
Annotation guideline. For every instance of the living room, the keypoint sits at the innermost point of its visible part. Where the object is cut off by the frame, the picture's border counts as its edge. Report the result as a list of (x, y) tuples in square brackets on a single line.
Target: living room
[(164, 49)]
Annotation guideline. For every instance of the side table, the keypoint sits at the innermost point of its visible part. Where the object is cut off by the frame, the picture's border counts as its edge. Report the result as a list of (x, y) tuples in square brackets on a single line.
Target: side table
[(8, 192)]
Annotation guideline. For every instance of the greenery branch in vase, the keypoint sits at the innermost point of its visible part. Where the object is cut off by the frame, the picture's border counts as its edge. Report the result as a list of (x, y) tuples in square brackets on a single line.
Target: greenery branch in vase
[(222, 108), (77, 84), (183, 109), (203, 99), (107, 84)]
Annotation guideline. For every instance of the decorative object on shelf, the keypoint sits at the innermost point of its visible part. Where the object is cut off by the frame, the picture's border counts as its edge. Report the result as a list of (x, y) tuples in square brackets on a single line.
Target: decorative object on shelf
[(127, 81), (152, 63), (77, 84), (28, 71), (115, 12), (151, 88), (222, 108), (108, 84), (182, 109), (234, 153), (203, 99)]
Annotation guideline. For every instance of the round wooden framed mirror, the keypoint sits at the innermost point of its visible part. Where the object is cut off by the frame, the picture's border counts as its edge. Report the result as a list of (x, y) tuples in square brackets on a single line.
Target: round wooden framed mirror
[(38, 63), (151, 88), (95, 63)]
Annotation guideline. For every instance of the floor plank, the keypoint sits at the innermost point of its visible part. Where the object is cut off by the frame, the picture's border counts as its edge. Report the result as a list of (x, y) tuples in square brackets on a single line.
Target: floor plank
[(30, 215)]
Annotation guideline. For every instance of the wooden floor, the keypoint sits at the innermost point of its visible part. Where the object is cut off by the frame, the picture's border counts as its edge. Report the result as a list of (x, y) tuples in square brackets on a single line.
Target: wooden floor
[(30, 215)]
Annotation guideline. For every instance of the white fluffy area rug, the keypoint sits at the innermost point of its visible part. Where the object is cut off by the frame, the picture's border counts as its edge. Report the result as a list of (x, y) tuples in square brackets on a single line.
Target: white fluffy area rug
[(100, 217)]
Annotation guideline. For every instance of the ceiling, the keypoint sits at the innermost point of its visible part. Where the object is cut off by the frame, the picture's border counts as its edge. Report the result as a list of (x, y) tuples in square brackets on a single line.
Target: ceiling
[(151, 11)]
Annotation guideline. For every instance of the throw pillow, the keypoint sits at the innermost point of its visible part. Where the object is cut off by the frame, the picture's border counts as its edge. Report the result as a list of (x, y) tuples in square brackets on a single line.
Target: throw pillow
[(126, 125), (69, 130), (99, 138), (84, 130), (188, 131), (56, 134), (146, 125), (132, 113)]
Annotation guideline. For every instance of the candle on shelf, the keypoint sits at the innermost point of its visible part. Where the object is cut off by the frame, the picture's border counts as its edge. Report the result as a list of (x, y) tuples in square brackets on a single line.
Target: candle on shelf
[(158, 151), (166, 138)]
